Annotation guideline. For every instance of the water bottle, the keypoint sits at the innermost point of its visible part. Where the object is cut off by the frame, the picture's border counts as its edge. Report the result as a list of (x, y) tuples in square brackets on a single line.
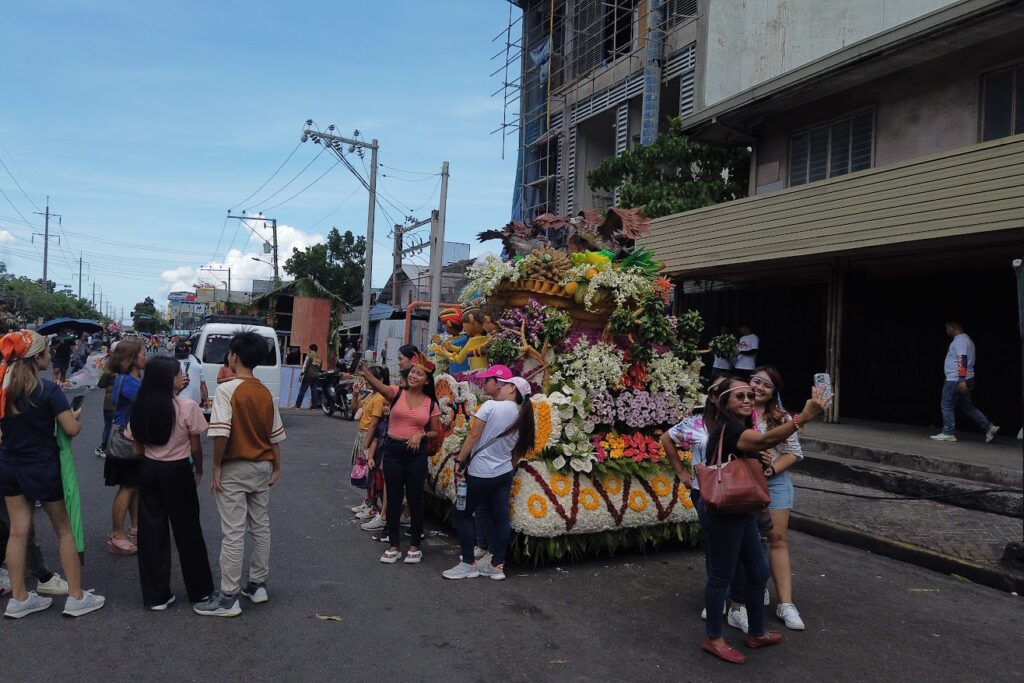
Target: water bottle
[(460, 495)]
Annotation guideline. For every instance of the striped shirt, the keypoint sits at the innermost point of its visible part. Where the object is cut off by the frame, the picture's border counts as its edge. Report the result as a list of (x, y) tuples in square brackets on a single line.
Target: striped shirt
[(245, 413)]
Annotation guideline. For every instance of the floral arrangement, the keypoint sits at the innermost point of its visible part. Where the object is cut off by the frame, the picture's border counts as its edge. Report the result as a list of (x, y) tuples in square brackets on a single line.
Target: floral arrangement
[(724, 345), (597, 366), (482, 279), (113, 327)]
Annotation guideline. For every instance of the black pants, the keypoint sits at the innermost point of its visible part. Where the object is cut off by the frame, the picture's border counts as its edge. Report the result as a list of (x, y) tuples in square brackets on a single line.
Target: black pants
[(313, 384), (168, 501), (405, 472)]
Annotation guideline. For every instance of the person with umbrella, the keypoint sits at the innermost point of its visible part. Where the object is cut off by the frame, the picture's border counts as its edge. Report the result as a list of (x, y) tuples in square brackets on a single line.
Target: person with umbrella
[(30, 470)]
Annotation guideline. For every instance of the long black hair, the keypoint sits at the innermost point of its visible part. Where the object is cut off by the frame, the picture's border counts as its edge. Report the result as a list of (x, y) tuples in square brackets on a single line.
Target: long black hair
[(525, 425), (409, 350), (155, 412)]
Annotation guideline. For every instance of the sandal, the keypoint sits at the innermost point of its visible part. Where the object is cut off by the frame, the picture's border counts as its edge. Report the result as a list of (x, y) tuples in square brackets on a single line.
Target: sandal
[(390, 556), (413, 557), (121, 546)]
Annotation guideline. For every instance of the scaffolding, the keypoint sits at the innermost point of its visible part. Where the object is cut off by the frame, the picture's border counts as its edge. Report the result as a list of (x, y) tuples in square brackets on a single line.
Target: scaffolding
[(550, 52)]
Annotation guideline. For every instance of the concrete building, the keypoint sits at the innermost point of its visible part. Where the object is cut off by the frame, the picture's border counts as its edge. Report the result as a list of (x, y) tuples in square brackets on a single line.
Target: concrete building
[(885, 195)]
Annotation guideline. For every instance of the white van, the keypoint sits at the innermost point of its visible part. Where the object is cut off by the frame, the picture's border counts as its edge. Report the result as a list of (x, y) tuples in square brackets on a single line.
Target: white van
[(210, 345)]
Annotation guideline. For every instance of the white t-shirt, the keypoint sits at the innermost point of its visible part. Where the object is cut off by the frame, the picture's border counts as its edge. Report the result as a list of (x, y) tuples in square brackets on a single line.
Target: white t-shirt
[(691, 431), (722, 363), (960, 346), (748, 342), (194, 370), (496, 459)]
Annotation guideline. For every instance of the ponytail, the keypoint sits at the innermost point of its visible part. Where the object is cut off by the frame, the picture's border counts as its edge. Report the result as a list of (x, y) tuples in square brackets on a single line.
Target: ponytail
[(524, 425)]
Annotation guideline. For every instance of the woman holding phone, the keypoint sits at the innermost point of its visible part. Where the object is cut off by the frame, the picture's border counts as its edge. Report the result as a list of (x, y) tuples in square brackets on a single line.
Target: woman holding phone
[(733, 538), (30, 410), (166, 430)]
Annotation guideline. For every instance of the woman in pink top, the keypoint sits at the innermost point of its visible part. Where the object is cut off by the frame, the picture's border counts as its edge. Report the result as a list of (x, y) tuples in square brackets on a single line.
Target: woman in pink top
[(166, 430), (414, 421)]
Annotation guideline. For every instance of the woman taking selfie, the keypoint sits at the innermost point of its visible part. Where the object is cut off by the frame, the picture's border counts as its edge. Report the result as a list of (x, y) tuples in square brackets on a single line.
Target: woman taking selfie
[(413, 422), (30, 410), (502, 434), (732, 538), (166, 430), (121, 468)]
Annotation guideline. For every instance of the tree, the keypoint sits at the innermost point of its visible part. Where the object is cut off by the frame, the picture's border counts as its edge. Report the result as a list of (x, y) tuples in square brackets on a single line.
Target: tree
[(337, 264), (24, 300), (146, 318), (674, 174)]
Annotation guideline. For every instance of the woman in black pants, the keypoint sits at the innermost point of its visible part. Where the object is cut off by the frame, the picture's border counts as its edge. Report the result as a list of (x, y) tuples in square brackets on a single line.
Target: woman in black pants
[(413, 422), (166, 429)]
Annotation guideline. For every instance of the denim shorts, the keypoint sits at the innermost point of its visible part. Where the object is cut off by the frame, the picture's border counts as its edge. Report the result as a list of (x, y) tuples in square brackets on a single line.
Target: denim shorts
[(36, 480), (780, 487)]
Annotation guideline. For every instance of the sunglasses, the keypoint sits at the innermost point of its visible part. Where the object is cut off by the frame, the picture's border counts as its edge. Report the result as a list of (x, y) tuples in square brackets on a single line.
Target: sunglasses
[(749, 396)]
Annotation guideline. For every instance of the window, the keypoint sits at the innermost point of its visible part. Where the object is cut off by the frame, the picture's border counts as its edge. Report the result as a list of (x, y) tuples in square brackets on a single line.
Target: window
[(831, 150), (216, 349), (1002, 108), (678, 11)]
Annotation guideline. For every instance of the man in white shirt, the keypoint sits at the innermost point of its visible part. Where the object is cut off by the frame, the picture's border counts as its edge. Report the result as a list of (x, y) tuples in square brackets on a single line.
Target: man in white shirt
[(192, 368), (959, 385), (746, 356)]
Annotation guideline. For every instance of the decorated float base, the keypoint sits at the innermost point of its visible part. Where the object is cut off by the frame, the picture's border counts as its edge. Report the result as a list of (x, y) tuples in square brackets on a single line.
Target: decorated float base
[(558, 515)]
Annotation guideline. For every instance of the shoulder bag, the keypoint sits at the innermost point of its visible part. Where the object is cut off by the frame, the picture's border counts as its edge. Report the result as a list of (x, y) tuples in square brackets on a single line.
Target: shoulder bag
[(119, 446), (735, 486)]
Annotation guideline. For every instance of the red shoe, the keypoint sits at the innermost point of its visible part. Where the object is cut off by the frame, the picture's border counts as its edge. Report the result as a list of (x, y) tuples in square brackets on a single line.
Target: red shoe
[(769, 638), (727, 653)]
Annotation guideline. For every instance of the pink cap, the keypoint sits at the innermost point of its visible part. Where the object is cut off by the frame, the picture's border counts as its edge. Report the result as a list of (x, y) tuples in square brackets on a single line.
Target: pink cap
[(521, 384), (497, 371)]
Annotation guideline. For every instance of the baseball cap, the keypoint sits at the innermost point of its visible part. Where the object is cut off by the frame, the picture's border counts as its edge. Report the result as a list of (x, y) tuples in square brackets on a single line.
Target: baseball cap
[(521, 384), (500, 372)]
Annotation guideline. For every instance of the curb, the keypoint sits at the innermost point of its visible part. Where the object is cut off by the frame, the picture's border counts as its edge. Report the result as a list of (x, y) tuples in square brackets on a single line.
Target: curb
[(1001, 578)]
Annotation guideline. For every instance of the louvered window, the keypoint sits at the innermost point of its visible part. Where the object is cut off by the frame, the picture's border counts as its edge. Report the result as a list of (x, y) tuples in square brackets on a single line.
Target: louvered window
[(1002, 112), (678, 11), (834, 149)]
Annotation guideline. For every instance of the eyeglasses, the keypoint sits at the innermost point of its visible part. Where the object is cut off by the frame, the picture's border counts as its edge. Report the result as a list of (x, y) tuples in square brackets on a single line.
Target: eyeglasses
[(748, 396)]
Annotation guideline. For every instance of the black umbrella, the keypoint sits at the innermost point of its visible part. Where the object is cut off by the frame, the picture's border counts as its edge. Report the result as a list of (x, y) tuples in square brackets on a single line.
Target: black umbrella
[(69, 325)]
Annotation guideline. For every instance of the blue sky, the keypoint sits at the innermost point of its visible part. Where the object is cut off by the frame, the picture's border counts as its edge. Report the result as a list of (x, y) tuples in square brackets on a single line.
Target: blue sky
[(145, 121)]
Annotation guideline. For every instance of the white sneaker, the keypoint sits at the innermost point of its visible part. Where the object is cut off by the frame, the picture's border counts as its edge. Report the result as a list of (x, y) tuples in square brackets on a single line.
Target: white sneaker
[(738, 618), (163, 605), (90, 602), (788, 613), (990, 435), (406, 520), (365, 514), (375, 524), (479, 553), (5, 582), (360, 508), (943, 437), (490, 571), (55, 586), (767, 598), (462, 571), (704, 612), (16, 609)]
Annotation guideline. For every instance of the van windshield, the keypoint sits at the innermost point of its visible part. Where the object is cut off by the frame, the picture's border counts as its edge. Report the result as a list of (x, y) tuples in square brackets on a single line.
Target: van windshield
[(216, 350)]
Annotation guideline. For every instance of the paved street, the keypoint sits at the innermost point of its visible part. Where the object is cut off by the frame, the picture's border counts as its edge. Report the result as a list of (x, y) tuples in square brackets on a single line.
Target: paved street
[(631, 618)]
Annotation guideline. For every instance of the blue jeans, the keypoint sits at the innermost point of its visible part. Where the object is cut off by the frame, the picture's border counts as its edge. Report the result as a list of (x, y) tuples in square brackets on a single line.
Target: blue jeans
[(731, 541), (492, 493), (108, 418), (739, 579), (314, 386), (953, 399), (483, 524)]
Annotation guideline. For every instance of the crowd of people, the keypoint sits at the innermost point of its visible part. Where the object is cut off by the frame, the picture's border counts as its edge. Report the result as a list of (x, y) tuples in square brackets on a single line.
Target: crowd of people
[(154, 457)]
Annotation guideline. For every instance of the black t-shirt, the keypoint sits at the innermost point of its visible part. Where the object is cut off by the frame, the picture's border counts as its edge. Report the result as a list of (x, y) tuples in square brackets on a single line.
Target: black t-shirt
[(730, 442), (62, 352), (29, 435)]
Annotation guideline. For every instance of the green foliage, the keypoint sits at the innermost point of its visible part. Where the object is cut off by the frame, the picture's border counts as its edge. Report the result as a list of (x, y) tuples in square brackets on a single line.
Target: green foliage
[(23, 301), (145, 317), (688, 328), (502, 350), (337, 264), (534, 550), (674, 174), (556, 326), (724, 345), (622, 321)]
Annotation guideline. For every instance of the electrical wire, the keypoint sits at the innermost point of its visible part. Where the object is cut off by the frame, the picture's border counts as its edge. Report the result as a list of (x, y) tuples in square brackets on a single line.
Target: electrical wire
[(16, 210), (221, 238), (318, 178), (272, 176), (138, 245), (400, 170), (335, 209), (267, 199), (30, 201)]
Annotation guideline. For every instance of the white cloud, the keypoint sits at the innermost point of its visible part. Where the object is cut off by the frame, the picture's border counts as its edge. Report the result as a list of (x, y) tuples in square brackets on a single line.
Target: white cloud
[(6, 237), (243, 268)]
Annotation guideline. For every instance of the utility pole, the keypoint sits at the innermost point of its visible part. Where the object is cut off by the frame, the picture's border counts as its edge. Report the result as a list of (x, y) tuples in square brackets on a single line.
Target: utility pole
[(396, 265), (79, 275), (401, 250), (46, 236), (94, 293), (273, 243), (221, 270), (336, 143), (437, 219)]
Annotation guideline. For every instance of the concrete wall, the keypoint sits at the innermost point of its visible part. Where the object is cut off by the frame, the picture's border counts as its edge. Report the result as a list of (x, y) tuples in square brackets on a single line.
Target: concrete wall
[(929, 108), (751, 41)]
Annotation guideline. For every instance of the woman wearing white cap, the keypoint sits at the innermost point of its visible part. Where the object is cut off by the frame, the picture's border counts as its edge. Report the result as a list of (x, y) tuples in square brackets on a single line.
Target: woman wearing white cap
[(504, 432)]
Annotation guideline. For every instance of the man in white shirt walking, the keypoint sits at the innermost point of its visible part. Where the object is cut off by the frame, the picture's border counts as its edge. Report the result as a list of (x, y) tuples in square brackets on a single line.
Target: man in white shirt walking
[(746, 356), (959, 384)]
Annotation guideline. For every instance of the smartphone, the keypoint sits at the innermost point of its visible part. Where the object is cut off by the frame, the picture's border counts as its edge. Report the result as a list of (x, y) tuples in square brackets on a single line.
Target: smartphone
[(77, 401), (823, 379)]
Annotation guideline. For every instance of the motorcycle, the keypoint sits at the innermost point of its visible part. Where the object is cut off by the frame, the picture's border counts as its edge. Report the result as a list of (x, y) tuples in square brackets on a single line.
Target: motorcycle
[(336, 394)]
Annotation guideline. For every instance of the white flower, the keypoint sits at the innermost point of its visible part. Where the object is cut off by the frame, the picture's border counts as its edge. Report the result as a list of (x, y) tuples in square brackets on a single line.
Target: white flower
[(558, 463), (671, 375), (598, 366), (486, 277)]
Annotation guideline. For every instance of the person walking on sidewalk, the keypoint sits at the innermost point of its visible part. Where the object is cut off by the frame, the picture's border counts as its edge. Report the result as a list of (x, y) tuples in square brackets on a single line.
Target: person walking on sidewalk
[(734, 538), (501, 436), (769, 414), (30, 410), (959, 385), (166, 430), (246, 429), (310, 379)]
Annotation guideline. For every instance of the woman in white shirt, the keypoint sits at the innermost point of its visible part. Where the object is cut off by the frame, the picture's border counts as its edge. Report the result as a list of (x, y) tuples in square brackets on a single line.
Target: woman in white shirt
[(768, 414), (504, 432)]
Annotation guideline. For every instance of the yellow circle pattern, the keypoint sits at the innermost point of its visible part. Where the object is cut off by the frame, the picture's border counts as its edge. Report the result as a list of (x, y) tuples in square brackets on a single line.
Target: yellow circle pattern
[(560, 484), (537, 506), (613, 485), (589, 499), (662, 486), (637, 501)]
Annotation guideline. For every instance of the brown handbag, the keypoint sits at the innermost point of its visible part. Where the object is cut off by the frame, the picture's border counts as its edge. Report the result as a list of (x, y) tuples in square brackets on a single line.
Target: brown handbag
[(732, 487)]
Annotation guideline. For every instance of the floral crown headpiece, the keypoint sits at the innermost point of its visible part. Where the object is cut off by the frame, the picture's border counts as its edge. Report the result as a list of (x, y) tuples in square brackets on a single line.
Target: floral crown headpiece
[(423, 363)]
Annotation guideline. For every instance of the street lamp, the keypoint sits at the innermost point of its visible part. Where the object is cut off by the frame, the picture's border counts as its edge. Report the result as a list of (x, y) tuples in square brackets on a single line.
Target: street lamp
[(263, 262)]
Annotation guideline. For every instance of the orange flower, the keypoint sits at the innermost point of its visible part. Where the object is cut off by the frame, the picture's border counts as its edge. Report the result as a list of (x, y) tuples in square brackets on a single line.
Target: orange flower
[(537, 505), (517, 486), (542, 428), (661, 485), (560, 484), (684, 497), (637, 501), (613, 485), (589, 499)]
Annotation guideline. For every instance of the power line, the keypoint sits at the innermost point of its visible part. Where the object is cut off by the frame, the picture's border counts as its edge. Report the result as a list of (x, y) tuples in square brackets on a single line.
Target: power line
[(137, 245), (267, 199), (272, 176), (221, 238), (331, 168), (412, 172), (335, 209), (18, 184)]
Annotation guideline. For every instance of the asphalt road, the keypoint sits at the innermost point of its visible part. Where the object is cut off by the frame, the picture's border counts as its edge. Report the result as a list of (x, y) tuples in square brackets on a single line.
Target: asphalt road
[(632, 618)]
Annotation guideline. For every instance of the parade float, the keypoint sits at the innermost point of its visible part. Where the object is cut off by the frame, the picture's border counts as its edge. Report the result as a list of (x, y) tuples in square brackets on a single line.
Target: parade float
[(582, 315)]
